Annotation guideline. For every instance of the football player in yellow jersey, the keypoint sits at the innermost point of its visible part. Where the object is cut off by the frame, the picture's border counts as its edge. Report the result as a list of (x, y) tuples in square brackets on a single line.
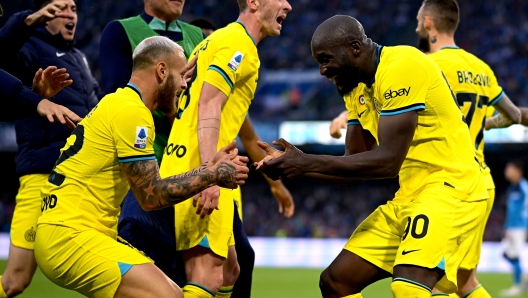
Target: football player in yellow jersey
[(421, 236), (476, 88), (211, 112), (110, 150)]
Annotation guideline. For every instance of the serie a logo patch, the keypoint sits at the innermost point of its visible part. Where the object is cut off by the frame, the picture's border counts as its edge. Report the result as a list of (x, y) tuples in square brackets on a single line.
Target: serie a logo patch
[(234, 63), (141, 137)]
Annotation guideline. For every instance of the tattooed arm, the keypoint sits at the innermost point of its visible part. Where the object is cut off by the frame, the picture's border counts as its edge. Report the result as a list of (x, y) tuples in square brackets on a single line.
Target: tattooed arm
[(226, 170), (508, 114)]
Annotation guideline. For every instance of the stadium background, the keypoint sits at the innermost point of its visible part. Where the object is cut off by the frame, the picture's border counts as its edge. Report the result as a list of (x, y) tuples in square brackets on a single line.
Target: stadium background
[(290, 88)]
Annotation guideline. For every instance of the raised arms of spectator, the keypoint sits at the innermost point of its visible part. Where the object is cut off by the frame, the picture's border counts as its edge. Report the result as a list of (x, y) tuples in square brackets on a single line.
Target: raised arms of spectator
[(20, 27), (249, 139)]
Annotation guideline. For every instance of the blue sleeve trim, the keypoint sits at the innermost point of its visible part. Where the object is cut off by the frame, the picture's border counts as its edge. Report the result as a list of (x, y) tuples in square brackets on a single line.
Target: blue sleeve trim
[(222, 73), (496, 99), (137, 158), (353, 122), (413, 107)]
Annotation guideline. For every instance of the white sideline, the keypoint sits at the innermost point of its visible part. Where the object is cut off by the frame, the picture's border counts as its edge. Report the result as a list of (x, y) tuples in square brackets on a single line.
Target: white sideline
[(319, 253)]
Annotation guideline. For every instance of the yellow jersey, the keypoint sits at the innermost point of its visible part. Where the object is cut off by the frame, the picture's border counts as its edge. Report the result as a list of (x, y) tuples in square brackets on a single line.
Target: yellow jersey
[(441, 152), (359, 105), (87, 185), (228, 59), (476, 88)]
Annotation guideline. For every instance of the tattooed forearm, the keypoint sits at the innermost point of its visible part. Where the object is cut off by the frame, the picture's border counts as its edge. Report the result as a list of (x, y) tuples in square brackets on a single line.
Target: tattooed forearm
[(152, 192), (498, 121)]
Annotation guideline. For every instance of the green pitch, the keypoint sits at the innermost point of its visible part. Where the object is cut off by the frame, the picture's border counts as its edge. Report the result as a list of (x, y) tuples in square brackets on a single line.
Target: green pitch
[(269, 282)]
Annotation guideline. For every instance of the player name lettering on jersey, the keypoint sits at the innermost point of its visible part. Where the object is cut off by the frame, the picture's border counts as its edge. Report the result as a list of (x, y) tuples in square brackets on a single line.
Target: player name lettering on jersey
[(468, 77), (395, 93)]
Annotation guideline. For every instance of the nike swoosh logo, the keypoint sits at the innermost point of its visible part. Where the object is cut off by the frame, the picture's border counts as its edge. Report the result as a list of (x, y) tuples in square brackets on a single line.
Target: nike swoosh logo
[(361, 114), (409, 251), (60, 54)]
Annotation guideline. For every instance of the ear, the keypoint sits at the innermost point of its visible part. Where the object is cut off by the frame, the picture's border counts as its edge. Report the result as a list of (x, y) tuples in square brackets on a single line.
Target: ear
[(161, 71), (253, 5), (355, 48), (428, 23)]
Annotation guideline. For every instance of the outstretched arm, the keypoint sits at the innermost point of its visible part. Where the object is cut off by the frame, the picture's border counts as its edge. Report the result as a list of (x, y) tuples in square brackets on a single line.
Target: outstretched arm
[(250, 140), (226, 170), (395, 136)]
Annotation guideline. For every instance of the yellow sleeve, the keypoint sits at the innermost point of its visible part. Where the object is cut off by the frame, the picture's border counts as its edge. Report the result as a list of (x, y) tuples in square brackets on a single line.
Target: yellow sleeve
[(133, 132), (225, 68), (352, 113), (496, 91), (403, 87)]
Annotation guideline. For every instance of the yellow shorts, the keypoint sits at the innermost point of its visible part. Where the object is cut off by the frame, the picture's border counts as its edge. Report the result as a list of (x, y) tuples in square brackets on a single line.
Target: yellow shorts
[(88, 262), (473, 258), (27, 210), (432, 230), (215, 231)]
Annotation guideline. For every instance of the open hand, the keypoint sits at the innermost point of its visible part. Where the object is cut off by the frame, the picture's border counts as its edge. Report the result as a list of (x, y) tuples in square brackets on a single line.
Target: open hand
[(290, 164), (270, 151), (50, 81), (191, 66), (54, 112)]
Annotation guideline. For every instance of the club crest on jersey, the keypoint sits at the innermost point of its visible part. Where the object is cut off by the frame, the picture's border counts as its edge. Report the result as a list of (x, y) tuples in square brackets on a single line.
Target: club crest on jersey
[(234, 63), (141, 137), (362, 99)]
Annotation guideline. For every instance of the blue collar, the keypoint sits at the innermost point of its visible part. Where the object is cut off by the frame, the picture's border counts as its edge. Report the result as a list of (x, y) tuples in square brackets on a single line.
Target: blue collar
[(246, 32), (449, 47), (377, 63), (136, 89), (160, 25)]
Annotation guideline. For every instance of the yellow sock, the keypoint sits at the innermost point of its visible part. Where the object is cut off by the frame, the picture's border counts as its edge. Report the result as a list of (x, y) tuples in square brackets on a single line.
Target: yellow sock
[(2, 292), (478, 292), (194, 290), (225, 292), (405, 288), (440, 294), (358, 295)]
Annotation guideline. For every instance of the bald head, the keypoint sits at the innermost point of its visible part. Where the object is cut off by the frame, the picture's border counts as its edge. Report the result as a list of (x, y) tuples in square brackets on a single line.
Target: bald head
[(155, 49), (338, 30)]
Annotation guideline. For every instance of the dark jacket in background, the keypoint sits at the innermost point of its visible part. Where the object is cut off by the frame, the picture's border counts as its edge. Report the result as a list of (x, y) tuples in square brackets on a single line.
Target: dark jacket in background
[(16, 100), (23, 51)]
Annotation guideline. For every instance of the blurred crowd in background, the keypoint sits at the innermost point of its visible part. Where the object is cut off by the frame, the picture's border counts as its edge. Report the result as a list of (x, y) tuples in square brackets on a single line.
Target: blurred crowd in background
[(495, 31)]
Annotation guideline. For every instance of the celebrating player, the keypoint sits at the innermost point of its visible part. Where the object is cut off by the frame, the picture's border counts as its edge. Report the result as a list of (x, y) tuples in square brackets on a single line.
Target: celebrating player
[(211, 112), (422, 235), (475, 88), (76, 245)]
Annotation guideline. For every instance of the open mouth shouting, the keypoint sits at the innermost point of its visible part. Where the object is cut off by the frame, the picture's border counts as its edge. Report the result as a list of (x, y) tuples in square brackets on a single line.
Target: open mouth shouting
[(70, 27), (280, 19)]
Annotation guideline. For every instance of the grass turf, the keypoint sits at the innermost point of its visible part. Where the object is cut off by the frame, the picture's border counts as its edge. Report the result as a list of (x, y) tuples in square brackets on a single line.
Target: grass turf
[(269, 282)]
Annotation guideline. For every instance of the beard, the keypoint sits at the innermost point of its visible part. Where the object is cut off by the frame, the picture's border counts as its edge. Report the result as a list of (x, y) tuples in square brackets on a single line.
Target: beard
[(423, 41), (166, 96), (347, 79)]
